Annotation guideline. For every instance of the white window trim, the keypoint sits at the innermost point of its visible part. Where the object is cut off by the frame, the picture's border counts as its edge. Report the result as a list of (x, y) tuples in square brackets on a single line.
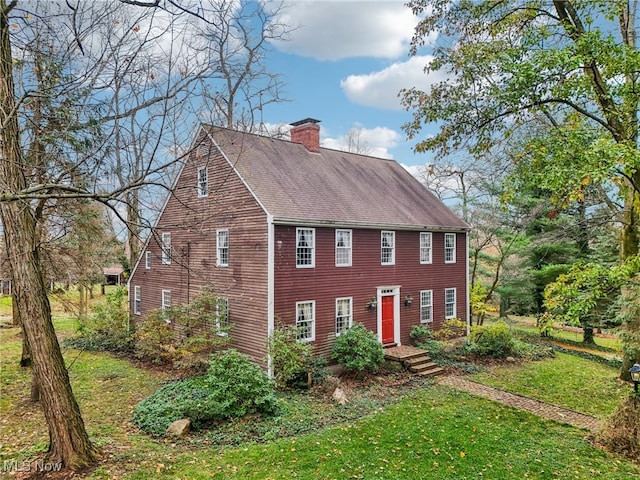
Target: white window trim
[(203, 187), (348, 248), (453, 248), (428, 235), (219, 261), (166, 248), (217, 313), (350, 322), (455, 300), (393, 247), (313, 320), (147, 260), (165, 304), (137, 300), (430, 305), (313, 247)]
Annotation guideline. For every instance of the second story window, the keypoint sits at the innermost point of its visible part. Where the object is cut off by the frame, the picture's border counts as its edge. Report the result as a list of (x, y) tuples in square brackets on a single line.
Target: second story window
[(387, 255), (222, 248), (343, 248), (305, 250), (203, 182), (166, 248), (450, 248), (425, 247)]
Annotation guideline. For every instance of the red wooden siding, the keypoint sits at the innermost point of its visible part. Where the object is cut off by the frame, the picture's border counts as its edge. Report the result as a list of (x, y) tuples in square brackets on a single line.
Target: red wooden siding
[(193, 222), (326, 282)]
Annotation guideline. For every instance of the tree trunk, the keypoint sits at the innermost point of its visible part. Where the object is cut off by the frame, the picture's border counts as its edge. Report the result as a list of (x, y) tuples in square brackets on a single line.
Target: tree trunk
[(68, 439), (587, 336)]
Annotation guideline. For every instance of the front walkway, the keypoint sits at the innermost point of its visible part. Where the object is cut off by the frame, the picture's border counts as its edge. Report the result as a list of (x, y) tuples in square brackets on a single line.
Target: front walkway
[(541, 409)]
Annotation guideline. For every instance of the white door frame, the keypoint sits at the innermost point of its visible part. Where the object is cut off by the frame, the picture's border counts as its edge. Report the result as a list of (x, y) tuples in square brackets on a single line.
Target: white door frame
[(388, 291)]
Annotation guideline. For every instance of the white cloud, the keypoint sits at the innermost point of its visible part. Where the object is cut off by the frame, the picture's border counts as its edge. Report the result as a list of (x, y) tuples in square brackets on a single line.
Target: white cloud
[(334, 30), (375, 142), (380, 89)]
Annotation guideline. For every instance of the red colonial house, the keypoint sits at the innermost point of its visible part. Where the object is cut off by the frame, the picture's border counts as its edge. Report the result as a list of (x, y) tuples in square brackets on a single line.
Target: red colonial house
[(293, 232)]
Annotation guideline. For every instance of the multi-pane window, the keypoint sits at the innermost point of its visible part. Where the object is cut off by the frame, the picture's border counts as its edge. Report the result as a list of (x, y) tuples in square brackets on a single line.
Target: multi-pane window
[(137, 300), (147, 260), (305, 321), (388, 240), (343, 315), (450, 247), (425, 247), (166, 248), (305, 250), (166, 303), (222, 248), (426, 306), (449, 303), (203, 182), (222, 315), (343, 248)]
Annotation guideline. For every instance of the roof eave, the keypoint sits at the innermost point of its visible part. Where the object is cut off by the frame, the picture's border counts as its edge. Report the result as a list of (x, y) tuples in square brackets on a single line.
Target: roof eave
[(368, 225)]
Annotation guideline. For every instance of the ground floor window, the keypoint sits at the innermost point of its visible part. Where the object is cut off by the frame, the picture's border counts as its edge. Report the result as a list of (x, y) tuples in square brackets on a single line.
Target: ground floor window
[(305, 321), (222, 315), (343, 315), (449, 303), (426, 306), (137, 300)]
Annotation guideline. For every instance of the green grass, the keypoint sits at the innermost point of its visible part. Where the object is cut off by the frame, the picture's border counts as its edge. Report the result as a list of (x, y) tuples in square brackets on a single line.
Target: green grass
[(433, 433), (566, 380)]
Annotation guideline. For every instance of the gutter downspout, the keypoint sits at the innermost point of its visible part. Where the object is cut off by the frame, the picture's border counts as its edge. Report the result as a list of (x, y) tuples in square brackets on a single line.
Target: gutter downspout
[(270, 286), (467, 288)]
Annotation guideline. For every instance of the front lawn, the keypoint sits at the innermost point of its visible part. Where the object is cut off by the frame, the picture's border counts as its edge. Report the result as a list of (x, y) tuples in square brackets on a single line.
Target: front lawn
[(388, 431), (567, 380)]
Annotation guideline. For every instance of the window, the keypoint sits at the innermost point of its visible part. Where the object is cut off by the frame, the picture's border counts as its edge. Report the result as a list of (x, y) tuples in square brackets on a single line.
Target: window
[(425, 247), (426, 306), (388, 248), (222, 248), (305, 324), (449, 303), (305, 251), (450, 248), (137, 300), (343, 315), (343, 248), (147, 260), (203, 182), (222, 315), (166, 303), (166, 248)]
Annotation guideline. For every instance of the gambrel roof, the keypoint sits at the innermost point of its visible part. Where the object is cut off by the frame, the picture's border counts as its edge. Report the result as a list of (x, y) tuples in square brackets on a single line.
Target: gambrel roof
[(331, 187)]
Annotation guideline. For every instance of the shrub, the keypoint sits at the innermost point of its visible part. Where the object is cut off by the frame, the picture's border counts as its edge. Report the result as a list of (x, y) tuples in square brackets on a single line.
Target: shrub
[(233, 387), (422, 337), (193, 333), (108, 327), (288, 356), (493, 340), (358, 350), (622, 432), (451, 328)]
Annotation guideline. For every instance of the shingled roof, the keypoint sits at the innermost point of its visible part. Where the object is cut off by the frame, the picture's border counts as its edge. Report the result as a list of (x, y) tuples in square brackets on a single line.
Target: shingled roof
[(331, 187)]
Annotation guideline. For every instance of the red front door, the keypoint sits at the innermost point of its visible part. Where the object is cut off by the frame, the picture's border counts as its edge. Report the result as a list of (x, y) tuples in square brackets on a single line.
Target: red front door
[(387, 320)]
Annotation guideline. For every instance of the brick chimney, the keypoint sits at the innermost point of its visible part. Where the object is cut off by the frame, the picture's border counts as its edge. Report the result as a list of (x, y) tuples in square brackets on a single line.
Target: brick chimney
[(307, 132)]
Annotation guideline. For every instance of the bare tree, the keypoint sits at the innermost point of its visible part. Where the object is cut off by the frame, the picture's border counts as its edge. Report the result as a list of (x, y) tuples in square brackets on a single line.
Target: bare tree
[(102, 124)]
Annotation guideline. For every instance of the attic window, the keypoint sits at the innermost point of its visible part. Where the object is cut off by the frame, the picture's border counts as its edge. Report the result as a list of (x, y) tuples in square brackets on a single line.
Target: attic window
[(203, 182), (202, 151)]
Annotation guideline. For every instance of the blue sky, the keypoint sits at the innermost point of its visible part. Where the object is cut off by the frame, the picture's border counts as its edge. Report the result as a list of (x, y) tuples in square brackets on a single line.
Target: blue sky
[(344, 65)]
